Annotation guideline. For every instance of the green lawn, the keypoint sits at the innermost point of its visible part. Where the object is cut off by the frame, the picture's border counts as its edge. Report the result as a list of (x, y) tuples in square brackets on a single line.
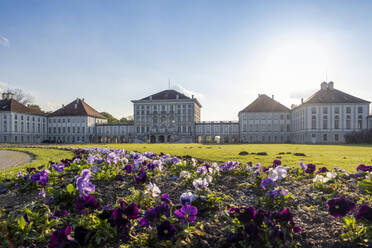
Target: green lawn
[(345, 156), (40, 157)]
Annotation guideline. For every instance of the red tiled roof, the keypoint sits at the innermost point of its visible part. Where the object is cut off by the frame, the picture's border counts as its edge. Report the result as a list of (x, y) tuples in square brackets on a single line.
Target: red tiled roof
[(265, 104), (77, 107), (15, 106)]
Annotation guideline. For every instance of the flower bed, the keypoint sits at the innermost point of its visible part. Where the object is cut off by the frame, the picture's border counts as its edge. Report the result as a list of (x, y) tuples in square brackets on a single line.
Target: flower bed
[(112, 198)]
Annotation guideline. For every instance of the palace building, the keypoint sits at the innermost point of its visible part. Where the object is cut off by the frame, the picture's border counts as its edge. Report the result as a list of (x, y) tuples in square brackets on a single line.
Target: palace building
[(170, 116)]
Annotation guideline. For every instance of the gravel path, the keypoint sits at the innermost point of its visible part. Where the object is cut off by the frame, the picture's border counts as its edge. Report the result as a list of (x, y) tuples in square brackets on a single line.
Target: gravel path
[(12, 158)]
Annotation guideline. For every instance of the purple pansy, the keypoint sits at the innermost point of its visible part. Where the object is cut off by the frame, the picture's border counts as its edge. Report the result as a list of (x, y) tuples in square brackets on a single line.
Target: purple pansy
[(142, 176), (165, 230), (268, 183), (277, 192), (59, 214), (61, 237), (40, 177), (229, 165), (186, 213), (128, 168), (364, 212), (83, 185), (340, 206), (363, 167), (276, 163), (86, 204), (322, 170), (60, 167), (187, 198), (244, 214)]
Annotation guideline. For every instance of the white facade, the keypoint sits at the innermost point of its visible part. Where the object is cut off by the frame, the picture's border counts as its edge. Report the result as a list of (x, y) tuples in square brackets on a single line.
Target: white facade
[(264, 127), (178, 120), (168, 120), (115, 133), (22, 127), (73, 129), (217, 132), (327, 123)]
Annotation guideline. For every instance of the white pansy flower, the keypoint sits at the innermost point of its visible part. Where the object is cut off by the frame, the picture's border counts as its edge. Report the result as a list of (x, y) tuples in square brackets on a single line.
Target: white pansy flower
[(320, 179), (331, 175), (154, 189), (200, 183), (277, 173), (209, 178), (185, 174)]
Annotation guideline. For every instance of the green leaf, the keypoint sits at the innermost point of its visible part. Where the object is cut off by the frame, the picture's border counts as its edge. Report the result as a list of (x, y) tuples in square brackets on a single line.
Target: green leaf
[(27, 211), (70, 188), (21, 222)]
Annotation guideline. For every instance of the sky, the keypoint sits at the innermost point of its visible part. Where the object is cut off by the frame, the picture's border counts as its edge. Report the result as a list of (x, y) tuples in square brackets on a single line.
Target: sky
[(223, 52)]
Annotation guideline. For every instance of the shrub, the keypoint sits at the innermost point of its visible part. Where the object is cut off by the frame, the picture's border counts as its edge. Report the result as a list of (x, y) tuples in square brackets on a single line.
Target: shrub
[(261, 153), (300, 154), (242, 153), (363, 136)]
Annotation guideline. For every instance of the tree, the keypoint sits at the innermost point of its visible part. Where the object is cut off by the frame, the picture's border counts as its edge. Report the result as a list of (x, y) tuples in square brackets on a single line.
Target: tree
[(110, 118), (126, 120), (34, 106), (21, 96)]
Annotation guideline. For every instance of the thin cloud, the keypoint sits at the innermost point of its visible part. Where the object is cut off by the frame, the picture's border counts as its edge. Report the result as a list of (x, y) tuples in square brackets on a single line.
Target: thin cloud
[(4, 41), (187, 92)]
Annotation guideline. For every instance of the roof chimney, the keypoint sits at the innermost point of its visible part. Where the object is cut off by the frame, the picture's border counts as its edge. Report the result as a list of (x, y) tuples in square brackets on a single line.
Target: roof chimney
[(192, 96), (330, 85), (272, 97), (150, 97), (82, 100), (323, 86), (302, 100), (177, 96)]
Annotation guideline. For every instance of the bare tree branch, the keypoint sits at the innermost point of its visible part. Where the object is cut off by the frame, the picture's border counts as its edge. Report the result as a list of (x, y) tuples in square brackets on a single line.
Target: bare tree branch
[(21, 96)]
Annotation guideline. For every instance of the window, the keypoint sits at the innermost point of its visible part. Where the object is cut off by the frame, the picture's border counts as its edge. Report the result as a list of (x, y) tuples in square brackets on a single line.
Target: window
[(336, 137), (360, 110), (337, 122), (348, 122), (348, 110), (68, 129), (337, 110), (360, 122), (325, 110), (313, 135), (325, 122), (313, 122), (313, 110), (325, 137)]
